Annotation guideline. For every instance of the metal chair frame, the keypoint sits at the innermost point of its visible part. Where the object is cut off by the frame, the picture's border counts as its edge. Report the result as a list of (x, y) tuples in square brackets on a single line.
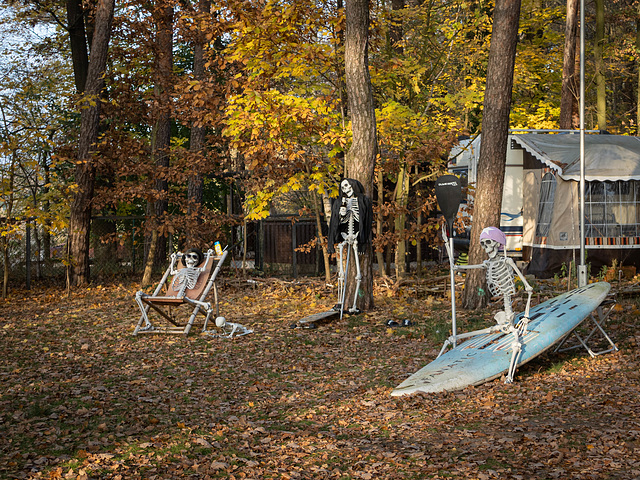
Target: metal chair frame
[(192, 297)]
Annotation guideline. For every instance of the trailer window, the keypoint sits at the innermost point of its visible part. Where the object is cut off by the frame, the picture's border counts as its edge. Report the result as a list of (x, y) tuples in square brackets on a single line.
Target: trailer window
[(611, 209), (547, 197)]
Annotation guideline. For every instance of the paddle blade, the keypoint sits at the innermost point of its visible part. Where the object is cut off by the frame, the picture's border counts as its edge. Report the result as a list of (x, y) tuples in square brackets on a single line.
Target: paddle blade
[(449, 195)]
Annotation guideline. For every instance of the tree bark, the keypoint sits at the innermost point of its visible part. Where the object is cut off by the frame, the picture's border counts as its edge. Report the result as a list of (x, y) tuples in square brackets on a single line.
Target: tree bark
[(568, 96), (382, 269), (360, 160), (601, 94), (322, 240), (195, 186), (161, 135), (401, 199), (638, 69), (493, 150), (78, 43), (80, 218), (9, 212)]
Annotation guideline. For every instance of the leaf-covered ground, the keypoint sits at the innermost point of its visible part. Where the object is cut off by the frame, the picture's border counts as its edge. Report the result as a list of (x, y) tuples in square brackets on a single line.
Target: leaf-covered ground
[(80, 397)]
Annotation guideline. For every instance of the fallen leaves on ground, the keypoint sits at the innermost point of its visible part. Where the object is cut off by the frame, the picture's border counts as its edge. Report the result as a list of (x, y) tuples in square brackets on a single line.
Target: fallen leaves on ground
[(81, 398)]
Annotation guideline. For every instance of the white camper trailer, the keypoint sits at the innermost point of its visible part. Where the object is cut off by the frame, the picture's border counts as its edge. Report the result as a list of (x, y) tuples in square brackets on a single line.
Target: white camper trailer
[(463, 162), (541, 204)]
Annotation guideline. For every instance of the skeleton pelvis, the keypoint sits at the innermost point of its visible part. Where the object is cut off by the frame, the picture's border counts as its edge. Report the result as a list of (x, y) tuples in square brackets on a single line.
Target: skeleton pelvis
[(501, 318)]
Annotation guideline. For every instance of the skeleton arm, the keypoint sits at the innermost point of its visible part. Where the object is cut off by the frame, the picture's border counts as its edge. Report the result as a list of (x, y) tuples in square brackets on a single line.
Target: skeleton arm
[(172, 267), (470, 267), (208, 256), (527, 288), (445, 238)]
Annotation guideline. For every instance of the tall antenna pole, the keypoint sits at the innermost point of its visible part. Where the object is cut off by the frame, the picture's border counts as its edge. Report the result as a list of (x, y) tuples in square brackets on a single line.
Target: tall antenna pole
[(582, 268)]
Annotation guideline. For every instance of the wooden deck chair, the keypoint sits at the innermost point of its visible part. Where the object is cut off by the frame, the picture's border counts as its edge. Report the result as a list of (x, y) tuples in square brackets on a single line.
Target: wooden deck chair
[(178, 295), (588, 338)]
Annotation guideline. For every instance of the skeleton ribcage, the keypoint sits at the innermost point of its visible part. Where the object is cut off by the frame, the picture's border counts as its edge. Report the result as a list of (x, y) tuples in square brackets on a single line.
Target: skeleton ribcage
[(352, 218), (500, 278), (186, 278), (351, 204)]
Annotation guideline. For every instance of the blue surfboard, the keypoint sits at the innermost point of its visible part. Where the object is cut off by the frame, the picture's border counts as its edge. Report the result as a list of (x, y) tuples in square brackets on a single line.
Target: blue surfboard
[(487, 356)]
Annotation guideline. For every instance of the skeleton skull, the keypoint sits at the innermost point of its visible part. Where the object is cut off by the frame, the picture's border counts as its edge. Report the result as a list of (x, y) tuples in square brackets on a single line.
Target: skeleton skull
[(491, 247), (191, 259), (346, 188), (491, 239)]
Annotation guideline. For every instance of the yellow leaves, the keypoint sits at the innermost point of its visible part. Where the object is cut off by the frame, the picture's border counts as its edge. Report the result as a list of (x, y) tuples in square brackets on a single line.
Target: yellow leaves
[(258, 205), (194, 85), (294, 184)]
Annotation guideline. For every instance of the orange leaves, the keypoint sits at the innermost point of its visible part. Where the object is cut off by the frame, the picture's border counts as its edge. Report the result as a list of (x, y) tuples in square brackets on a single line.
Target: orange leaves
[(298, 403)]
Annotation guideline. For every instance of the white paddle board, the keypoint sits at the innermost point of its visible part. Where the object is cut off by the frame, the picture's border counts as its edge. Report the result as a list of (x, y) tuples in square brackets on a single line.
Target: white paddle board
[(487, 356)]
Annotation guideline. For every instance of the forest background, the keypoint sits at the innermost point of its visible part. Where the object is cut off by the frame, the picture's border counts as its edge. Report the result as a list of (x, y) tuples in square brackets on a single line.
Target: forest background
[(216, 113), (212, 112)]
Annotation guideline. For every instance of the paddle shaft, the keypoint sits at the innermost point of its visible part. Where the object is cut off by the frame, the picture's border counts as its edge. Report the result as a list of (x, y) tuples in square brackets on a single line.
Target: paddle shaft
[(453, 292)]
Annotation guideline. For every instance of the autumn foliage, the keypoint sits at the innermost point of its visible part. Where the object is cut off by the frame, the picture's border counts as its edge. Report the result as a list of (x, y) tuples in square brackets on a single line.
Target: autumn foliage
[(82, 398)]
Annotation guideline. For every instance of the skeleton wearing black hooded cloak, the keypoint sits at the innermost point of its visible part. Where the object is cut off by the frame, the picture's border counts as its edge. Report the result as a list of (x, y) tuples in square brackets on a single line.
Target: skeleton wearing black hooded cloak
[(339, 223)]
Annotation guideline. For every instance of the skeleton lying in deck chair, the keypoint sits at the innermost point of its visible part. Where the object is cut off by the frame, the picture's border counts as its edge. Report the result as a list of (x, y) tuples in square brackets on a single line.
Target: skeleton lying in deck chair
[(191, 284)]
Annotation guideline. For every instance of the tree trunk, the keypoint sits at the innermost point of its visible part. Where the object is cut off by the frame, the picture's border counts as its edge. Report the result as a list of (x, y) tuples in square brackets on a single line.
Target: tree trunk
[(148, 267), (46, 231), (7, 219), (80, 218), (322, 240), (568, 97), (419, 244), (195, 186), (161, 135), (493, 151), (601, 95), (78, 43), (638, 68), (379, 251), (401, 198), (342, 89), (5, 269), (360, 160)]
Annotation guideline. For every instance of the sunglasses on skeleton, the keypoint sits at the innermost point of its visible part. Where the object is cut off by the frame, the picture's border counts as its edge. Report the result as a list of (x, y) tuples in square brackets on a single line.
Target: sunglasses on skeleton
[(193, 256)]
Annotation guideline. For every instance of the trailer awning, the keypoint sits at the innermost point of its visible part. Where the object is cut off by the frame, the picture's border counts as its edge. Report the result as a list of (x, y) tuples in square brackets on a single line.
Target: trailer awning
[(607, 157)]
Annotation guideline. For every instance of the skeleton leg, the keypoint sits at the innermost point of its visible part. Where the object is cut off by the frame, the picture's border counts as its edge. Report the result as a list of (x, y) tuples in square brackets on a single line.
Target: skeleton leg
[(344, 285), (515, 356), (475, 333), (353, 308), (340, 274), (507, 308), (143, 309)]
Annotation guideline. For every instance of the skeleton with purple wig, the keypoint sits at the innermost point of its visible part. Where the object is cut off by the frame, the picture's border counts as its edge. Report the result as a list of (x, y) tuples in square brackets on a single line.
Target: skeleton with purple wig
[(500, 280)]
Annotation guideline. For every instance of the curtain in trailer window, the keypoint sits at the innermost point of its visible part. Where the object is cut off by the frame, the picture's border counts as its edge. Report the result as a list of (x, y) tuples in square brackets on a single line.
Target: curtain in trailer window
[(545, 206), (611, 209)]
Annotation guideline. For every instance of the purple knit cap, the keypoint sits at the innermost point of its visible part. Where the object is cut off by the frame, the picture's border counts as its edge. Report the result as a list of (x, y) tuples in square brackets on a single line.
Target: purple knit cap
[(493, 233)]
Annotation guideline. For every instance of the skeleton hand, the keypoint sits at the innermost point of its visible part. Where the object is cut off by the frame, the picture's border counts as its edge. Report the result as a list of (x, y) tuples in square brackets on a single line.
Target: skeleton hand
[(445, 238), (522, 326), (343, 211)]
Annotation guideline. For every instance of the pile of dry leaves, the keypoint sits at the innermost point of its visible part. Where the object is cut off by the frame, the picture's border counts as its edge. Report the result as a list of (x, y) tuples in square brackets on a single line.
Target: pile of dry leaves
[(80, 397)]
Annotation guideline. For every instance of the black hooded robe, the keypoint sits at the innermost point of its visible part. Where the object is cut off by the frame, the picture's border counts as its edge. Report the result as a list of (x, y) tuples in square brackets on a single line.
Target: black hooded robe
[(364, 225)]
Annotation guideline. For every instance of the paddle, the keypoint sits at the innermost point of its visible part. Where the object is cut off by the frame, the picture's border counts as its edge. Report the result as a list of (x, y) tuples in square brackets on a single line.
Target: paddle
[(449, 195)]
